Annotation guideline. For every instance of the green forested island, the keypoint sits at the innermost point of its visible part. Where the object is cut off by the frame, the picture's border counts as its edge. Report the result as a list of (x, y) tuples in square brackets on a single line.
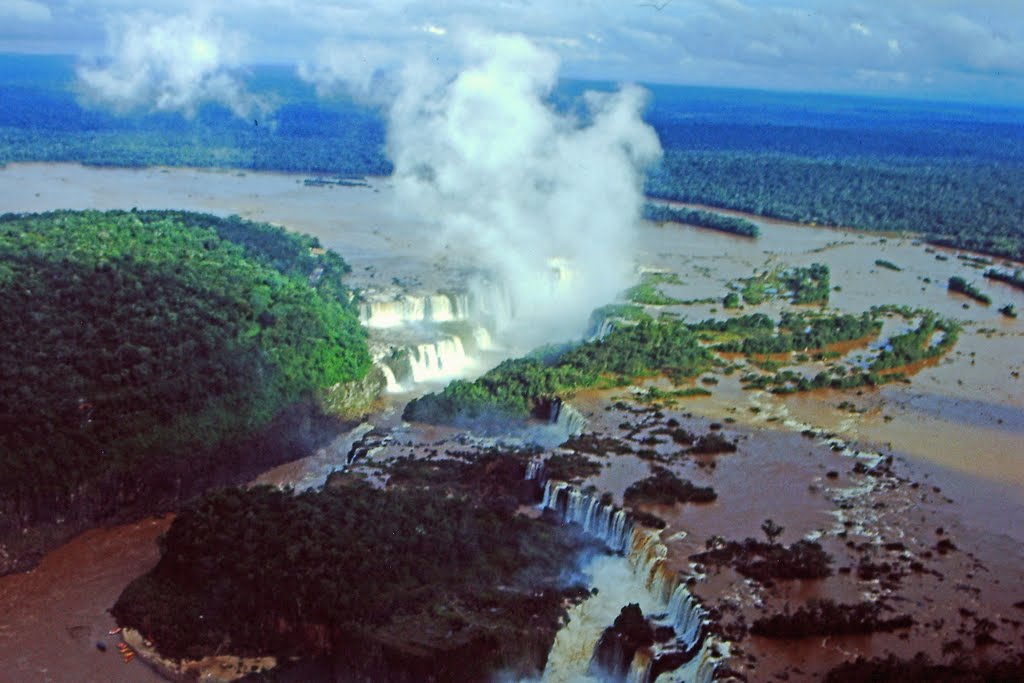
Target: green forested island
[(403, 584), (810, 285), (639, 346), (962, 286), (141, 347), (702, 219), (518, 387)]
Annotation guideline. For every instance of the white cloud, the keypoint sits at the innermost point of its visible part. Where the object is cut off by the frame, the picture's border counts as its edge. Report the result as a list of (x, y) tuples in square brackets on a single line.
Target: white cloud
[(27, 11), (860, 28), (876, 77), (168, 64), (362, 68), (725, 42)]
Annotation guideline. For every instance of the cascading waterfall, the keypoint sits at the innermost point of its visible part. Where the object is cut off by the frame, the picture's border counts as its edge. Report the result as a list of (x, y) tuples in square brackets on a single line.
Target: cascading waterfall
[(438, 360), (439, 309), (535, 470), (491, 303), (482, 339), (414, 308), (567, 418), (402, 320), (646, 556), (640, 668), (393, 387), (392, 313)]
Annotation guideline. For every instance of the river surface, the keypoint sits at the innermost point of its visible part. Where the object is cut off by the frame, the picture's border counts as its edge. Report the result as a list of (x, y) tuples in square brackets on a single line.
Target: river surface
[(961, 419)]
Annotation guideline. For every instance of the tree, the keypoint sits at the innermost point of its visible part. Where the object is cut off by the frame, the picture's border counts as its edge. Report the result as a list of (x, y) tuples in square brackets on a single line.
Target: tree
[(772, 530)]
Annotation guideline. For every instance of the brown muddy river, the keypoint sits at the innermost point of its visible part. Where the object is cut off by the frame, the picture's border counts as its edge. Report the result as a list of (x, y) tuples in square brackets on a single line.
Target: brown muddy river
[(961, 420), (967, 412)]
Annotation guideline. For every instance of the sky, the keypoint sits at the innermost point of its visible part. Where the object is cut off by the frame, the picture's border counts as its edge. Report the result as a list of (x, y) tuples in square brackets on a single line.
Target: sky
[(936, 49)]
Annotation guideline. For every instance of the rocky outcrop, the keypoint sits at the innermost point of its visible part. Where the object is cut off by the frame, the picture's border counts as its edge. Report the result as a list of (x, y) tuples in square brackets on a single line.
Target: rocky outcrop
[(351, 400)]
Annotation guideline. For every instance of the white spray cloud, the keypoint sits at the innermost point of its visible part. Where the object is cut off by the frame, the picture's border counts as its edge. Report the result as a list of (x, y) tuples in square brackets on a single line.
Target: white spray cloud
[(361, 68), (548, 203), (168, 64)]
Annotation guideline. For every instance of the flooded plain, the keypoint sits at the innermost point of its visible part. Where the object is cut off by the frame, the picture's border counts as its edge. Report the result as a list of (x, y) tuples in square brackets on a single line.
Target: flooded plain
[(958, 425)]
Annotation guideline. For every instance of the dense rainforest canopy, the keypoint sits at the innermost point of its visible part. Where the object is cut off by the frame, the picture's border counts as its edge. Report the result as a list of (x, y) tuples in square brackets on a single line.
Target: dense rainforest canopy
[(136, 342), (414, 571)]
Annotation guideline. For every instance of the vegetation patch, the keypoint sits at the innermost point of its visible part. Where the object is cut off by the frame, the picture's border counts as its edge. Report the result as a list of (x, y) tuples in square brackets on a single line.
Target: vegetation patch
[(960, 285), (648, 293), (765, 562), (665, 488), (895, 194), (799, 285), (570, 467), (828, 618), (140, 345), (517, 388), (757, 334), (654, 395), (931, 338), (920, 669), (703, 219), (887, 264), (1014, 279), (411, 577)]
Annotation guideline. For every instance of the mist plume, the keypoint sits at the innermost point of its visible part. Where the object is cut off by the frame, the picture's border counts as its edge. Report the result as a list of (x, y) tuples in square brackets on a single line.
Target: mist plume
[(546, 201), (519, 187), (167, 64)]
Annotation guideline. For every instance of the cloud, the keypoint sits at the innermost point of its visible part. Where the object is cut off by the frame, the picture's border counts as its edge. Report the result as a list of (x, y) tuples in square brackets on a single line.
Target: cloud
[(25, 10), (168, 64), (518, 188), (360, 68), (965, 47), (860, 28)]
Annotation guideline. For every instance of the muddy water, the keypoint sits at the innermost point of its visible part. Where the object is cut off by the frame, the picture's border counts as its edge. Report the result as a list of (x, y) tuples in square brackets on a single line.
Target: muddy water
[(815, 493), (52, 617), (359, 222), (965, 413)]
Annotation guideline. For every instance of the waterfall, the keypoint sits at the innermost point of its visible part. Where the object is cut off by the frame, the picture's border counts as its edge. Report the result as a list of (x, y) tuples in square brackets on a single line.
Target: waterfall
[(393, 387), (482, 339), (492, 303), (568, 419), (640, 668), (460, 306), (438, 360), (413, 308), (439, 309), (606, 327), (535, 470), (646, 557), (394, 312)]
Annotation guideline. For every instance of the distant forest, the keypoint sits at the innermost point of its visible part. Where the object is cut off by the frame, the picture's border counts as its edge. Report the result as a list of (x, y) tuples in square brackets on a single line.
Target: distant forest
[(948, 171)]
